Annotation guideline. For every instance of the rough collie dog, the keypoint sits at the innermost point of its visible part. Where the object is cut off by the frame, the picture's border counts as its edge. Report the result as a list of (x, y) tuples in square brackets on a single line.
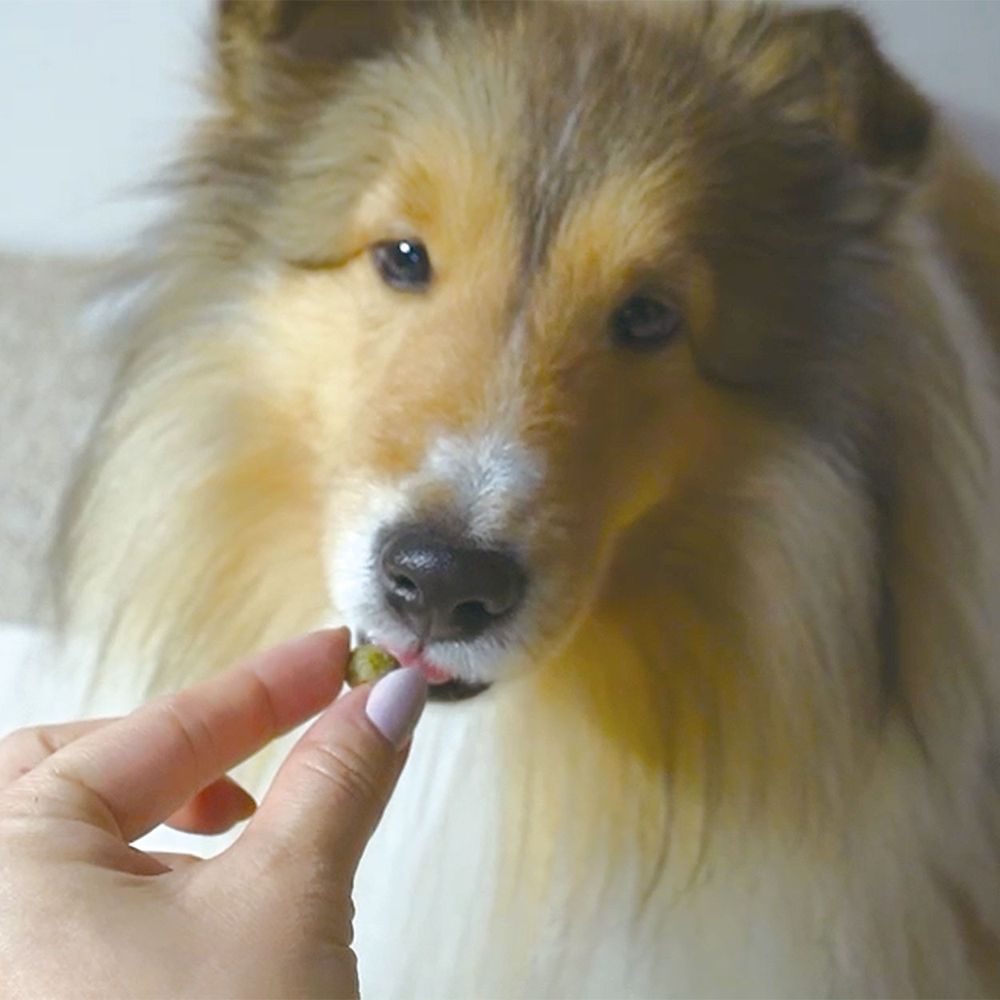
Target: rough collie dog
[(631, 370)]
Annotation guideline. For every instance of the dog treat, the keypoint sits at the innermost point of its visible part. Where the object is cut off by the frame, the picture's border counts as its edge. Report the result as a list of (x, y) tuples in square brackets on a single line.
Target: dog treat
[(369, 662)]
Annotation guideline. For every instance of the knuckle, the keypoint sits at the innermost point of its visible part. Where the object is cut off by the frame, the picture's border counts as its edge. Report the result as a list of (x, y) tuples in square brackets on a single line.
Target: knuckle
[(181, 713), (347, 770), (11, 746), (22, 749), (63, 795), (71, 797), (268, 710)]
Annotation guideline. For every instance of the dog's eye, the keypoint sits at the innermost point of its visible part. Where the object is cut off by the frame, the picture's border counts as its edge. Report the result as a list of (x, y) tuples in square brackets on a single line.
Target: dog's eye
[(644, 324), (403, 264)]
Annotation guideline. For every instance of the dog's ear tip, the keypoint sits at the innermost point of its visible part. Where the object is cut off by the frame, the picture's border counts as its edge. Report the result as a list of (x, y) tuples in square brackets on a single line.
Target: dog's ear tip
[(893, 120), (255, 39), (857, 93)]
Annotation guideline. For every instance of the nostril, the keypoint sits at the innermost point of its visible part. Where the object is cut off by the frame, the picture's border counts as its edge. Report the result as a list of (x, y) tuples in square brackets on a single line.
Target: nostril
[(404, 587), (444, 591), (472, 617)]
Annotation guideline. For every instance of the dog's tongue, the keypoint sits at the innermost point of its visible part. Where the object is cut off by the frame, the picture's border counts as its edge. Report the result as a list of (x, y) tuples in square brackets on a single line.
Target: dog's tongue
[(432, 674)]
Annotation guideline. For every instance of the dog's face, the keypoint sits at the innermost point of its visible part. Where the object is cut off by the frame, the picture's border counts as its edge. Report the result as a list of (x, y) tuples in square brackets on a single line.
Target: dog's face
[(541, 267)]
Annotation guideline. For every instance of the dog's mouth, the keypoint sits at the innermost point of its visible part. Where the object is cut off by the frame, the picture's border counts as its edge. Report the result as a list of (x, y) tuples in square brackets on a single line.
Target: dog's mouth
[(441, 686), (454, 690)]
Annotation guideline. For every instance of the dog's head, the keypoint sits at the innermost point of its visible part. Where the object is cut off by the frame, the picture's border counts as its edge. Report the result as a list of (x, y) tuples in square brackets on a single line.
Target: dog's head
[(532, 270)]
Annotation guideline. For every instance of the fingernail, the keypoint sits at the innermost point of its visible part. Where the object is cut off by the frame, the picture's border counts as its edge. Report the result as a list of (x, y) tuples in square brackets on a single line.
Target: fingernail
[(396, 703)]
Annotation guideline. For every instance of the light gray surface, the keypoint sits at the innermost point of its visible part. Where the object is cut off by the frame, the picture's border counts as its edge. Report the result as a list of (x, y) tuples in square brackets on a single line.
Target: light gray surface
[(94, 95), (94, 98)]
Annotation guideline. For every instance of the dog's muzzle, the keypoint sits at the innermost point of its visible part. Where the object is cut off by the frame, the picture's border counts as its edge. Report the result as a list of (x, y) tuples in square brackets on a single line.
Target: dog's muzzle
[(445, 590)]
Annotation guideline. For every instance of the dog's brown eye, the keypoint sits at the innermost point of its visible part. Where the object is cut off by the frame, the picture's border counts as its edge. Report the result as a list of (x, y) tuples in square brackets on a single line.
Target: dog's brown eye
[(644, 324), (403, 264)]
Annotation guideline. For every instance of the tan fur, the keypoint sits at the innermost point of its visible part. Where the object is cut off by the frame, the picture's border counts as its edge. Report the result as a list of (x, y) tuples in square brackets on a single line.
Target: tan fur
[(757, 748)]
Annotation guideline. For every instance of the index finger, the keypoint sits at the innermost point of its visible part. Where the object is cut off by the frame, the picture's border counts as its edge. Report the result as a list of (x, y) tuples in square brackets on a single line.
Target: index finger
[(129, 776)]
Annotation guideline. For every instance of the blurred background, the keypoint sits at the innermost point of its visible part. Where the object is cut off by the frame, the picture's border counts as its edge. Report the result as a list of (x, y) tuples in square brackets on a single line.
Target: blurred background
[(95, 93)]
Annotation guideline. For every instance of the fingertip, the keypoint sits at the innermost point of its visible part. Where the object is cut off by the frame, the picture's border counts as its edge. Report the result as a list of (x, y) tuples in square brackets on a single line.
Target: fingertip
[(340, 633), (330, 648), (244, 806), (335, 641), (215, 809), (304, 675)]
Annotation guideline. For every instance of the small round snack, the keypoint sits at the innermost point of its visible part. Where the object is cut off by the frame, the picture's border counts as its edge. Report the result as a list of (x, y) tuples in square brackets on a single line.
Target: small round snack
[(368, 663)]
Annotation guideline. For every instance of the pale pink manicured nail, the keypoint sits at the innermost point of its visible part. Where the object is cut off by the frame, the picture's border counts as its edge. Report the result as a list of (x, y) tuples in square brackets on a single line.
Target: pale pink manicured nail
[(395, 704)]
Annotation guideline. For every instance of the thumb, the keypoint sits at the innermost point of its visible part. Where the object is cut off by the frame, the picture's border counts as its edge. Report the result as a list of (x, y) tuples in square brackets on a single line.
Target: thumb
[(329, 794)]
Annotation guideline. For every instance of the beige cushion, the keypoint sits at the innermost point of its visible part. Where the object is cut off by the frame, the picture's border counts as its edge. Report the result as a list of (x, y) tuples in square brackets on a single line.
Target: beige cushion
[(54, 374)]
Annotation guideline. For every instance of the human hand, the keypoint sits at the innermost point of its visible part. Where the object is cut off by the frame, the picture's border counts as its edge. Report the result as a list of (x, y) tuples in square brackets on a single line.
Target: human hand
[(82, 913)]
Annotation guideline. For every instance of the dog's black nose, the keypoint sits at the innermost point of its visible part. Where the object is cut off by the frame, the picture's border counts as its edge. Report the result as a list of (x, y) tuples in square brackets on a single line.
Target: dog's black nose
[(445, 591)]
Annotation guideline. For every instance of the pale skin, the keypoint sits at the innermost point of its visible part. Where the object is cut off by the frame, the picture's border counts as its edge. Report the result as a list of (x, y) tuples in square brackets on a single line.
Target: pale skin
[(82, 913)]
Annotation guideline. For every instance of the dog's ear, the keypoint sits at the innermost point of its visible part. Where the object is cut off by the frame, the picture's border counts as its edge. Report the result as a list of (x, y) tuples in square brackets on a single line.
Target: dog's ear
[(258, 40), (853, 137), (824, 67)]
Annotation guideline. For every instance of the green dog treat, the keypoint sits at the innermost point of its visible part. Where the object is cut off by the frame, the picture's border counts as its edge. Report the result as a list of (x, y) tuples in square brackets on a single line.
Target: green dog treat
[(368, 663)]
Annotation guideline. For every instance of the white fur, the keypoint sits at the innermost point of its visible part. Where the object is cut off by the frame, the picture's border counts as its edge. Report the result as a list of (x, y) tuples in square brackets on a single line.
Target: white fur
[(493, 476)]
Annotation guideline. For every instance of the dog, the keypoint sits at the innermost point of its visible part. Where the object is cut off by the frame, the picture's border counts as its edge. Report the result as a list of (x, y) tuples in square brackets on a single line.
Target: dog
[(631, 370)]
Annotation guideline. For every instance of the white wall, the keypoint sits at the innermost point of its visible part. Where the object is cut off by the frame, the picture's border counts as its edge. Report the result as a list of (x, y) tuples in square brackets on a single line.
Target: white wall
[(93, 97), (94, 94)]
